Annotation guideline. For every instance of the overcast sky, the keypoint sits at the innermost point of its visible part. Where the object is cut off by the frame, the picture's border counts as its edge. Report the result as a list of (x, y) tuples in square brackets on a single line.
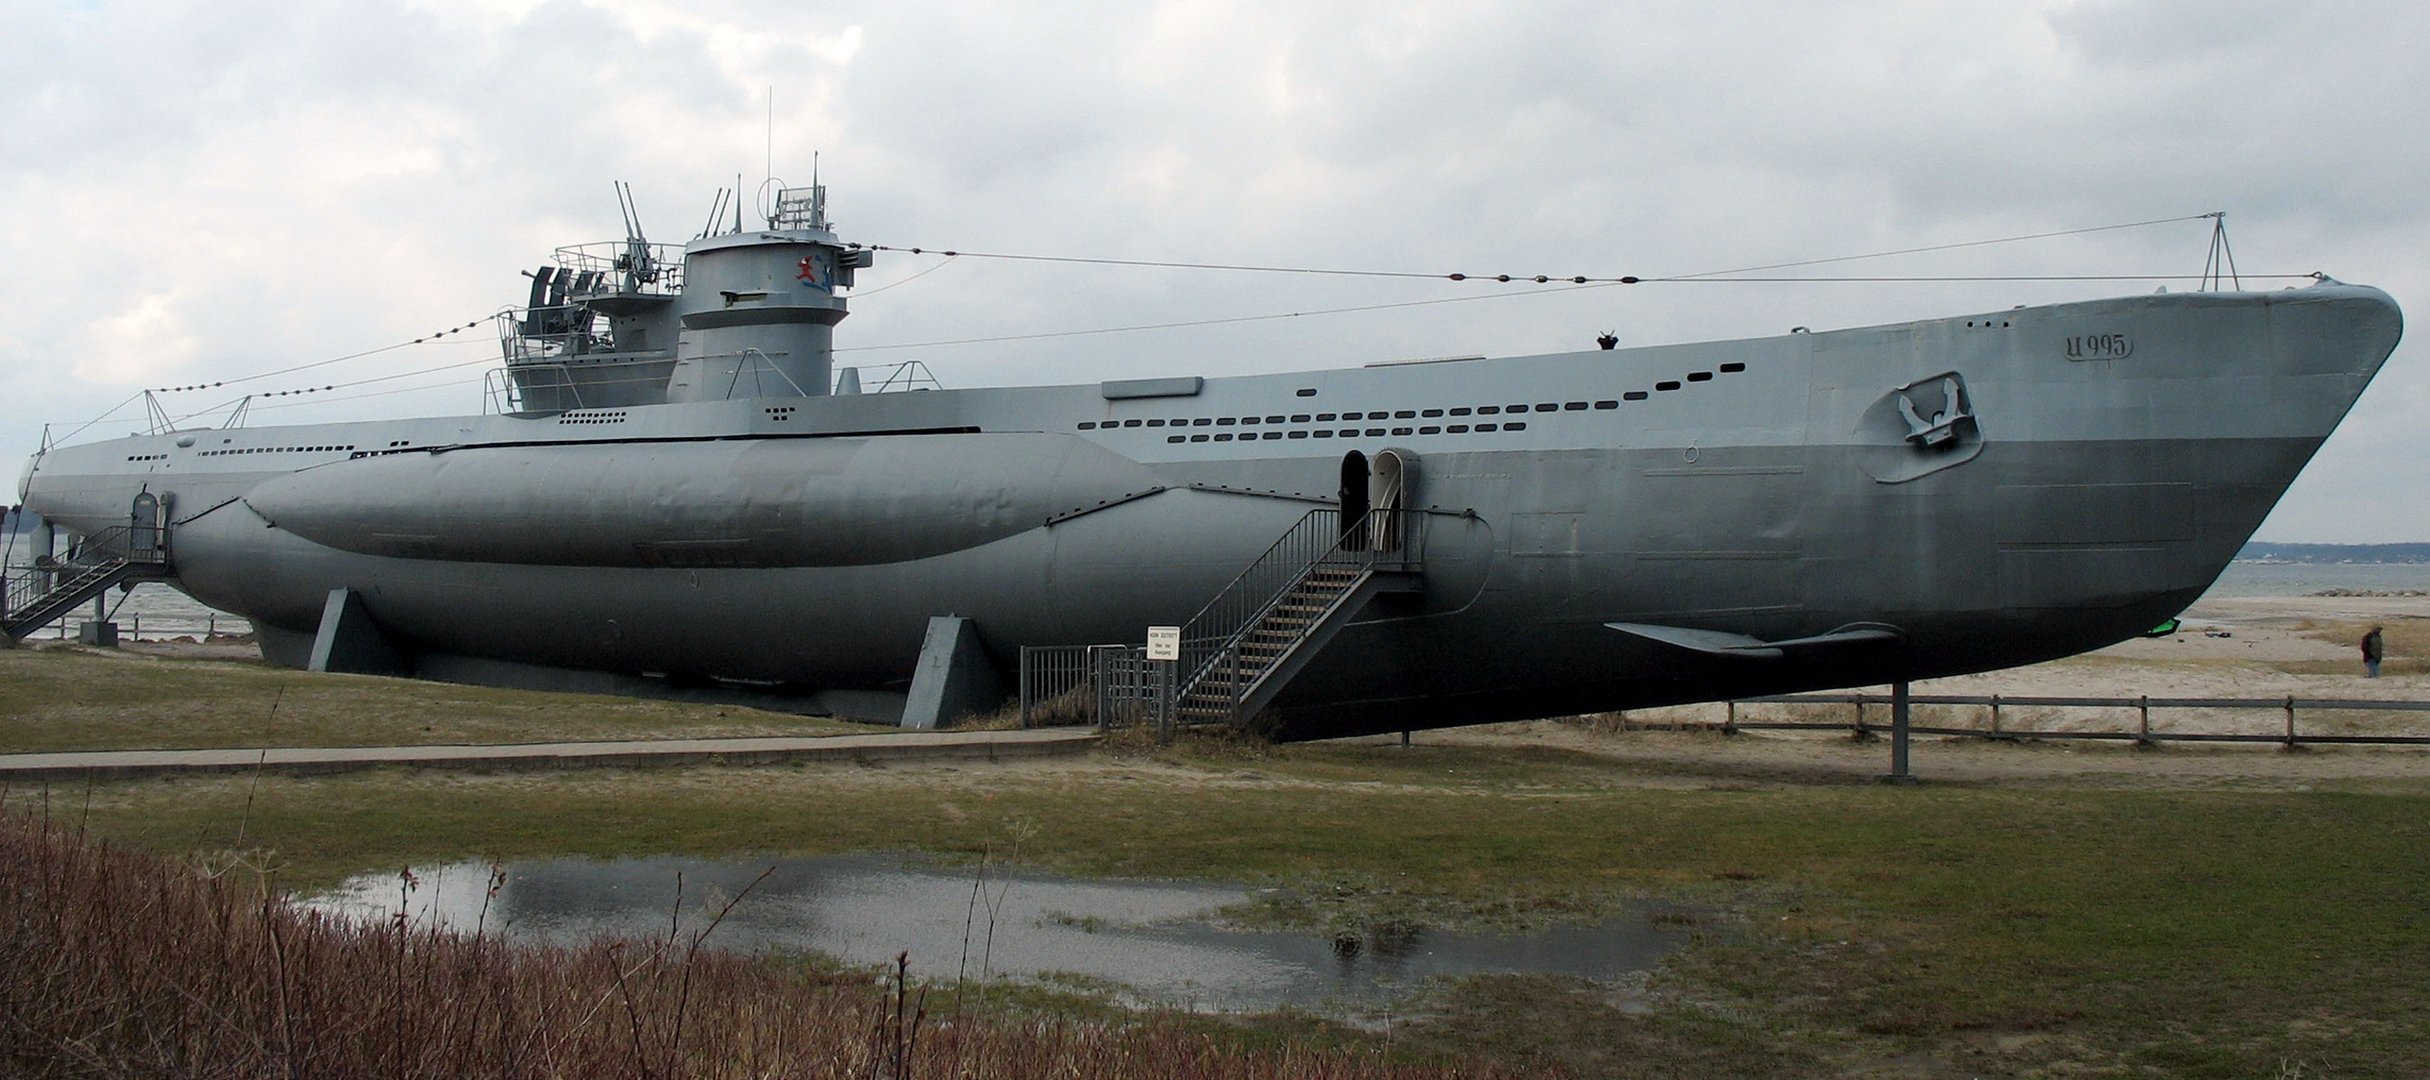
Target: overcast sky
[(197, 192)]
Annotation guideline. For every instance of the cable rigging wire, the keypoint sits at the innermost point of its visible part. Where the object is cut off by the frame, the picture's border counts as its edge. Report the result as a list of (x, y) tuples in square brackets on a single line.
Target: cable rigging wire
[(1227, 319), (1565, 283), (1570, 283), (231, 403), (2212, 216), (1583, 279), (426, 338)]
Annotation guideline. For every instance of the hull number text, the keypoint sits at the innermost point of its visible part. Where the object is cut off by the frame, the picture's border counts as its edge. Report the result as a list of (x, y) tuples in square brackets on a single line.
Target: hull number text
[(2100, 347)]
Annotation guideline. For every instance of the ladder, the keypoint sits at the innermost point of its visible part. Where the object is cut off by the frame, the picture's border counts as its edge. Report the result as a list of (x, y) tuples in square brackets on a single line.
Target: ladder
[(40, 595)]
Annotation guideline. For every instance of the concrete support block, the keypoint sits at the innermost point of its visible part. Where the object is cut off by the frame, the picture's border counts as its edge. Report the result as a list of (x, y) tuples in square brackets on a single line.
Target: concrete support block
[(104, 634), (349, 642), (953, 679)]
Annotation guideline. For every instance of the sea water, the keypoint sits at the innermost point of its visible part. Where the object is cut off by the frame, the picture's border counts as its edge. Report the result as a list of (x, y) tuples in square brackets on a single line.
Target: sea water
[(2245, 579), (152, 611)]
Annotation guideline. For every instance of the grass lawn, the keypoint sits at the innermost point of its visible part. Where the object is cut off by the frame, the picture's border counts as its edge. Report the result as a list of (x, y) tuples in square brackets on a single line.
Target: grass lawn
[(2169, 928), (57, 698)]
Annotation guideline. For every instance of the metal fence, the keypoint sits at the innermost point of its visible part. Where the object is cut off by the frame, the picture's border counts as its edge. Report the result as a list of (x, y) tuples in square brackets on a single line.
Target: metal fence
[(1870, 714), (1104, 686), (1071, 684)]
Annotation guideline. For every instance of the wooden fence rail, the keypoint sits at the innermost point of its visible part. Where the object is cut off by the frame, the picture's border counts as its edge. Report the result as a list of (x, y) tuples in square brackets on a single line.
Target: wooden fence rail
[(2290, 706)]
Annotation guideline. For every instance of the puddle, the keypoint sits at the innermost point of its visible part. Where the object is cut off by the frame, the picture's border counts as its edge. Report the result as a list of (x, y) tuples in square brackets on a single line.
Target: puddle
[(1155, 939)]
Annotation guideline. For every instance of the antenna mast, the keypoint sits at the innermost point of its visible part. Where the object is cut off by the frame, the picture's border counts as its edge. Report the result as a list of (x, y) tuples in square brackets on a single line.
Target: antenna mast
[(2219, 268), (769, 170)]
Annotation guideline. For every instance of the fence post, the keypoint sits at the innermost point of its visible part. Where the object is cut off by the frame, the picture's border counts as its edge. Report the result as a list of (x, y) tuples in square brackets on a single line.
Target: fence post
[(2290, 721), (1995, 716), (1860, 716), (1164, 701), (2143, 710), (1099, 682), (1900, 711), (1729, 719), (135, 631)]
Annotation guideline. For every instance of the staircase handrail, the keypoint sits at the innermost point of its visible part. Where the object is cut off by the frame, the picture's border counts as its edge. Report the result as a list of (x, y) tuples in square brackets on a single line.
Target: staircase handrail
[(1204, 647), (111, 544), (101, 552), (1248, 573)]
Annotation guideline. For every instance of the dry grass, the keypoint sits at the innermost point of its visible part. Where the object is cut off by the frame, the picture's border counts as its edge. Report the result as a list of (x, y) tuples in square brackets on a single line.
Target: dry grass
[(114, 963)]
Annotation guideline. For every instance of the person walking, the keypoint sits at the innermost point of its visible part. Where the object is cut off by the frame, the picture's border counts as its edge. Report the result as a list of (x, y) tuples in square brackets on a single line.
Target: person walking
[(2372, 652)]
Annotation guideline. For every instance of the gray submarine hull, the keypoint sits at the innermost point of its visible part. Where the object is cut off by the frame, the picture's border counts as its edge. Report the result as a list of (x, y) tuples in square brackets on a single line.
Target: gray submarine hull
[(1996, 489)]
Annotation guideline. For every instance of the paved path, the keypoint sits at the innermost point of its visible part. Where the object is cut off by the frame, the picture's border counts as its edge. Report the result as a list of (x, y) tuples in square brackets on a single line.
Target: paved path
[(300, 760)]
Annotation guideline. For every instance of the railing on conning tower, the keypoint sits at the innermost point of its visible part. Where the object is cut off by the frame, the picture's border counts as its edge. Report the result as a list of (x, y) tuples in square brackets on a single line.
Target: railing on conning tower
[(559, 318), (546, 385), (626, 266), (800, 208)]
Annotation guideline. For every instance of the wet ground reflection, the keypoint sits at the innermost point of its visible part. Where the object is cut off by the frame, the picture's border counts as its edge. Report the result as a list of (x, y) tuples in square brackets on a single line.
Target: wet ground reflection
[(1153, 938)]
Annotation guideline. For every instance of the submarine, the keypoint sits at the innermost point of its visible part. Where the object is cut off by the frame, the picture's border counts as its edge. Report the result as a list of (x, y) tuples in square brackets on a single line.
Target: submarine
[(683, 493)]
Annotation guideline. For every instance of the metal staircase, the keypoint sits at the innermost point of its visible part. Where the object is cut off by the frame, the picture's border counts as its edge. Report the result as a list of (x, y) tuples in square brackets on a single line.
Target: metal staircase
[(39, 595), (1244, 647)]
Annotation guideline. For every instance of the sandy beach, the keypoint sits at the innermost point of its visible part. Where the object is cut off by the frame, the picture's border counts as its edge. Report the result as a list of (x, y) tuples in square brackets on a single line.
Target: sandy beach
[(2305, 647)]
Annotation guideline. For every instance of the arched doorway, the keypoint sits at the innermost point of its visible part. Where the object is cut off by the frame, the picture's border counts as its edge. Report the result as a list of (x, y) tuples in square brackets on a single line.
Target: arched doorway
[(1354, 500), (143, 537)]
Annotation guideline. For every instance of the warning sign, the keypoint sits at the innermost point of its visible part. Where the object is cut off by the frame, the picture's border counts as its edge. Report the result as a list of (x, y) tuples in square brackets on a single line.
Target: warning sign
[(1164, 643)]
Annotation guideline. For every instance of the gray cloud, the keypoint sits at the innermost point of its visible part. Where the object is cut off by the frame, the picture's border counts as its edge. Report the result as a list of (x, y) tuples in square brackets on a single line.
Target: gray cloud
[(192, 193)]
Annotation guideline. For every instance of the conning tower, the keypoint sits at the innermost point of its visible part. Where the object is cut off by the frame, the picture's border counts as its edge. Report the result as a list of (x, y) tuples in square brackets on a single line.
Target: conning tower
[(739, 314), (758, 309)]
